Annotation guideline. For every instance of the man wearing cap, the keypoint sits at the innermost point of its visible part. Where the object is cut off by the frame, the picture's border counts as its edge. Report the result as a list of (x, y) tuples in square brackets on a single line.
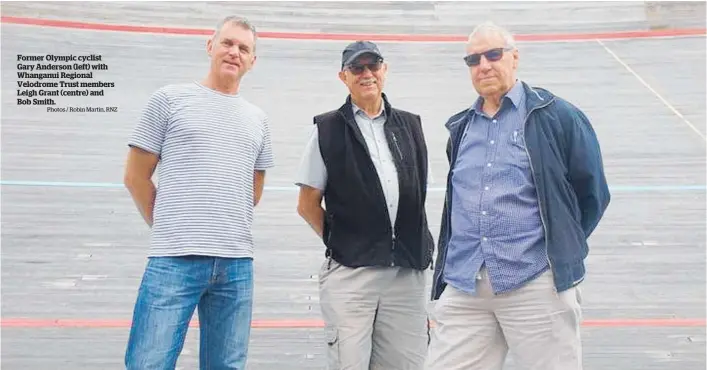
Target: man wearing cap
[(368, 162)]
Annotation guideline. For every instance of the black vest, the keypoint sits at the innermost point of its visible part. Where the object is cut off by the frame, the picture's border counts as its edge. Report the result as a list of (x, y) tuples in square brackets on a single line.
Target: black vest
[(357, 229)]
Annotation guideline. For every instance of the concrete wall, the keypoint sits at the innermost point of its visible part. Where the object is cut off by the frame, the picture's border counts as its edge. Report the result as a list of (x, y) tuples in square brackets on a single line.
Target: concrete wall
[(675, 14)]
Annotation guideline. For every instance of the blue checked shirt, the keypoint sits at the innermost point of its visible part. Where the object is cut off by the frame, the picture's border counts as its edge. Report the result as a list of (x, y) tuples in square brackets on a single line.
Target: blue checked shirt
[(495, 217)]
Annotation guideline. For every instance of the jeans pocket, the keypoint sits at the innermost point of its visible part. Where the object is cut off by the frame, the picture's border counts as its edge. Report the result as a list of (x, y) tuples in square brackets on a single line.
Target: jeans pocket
[(331, 335)]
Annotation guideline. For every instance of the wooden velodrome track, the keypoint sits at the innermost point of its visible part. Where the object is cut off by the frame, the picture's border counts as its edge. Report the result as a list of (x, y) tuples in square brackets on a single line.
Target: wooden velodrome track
[(73, 245)]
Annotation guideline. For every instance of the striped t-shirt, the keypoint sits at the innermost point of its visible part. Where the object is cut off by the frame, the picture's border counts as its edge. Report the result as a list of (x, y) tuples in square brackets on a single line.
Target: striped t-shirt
[(209, 145)]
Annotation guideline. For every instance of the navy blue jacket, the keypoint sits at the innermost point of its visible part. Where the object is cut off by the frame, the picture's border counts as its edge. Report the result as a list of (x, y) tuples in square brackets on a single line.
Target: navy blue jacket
[(568, 170)]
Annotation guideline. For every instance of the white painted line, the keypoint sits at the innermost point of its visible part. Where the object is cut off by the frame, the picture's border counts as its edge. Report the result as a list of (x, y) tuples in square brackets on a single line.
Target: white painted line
[(644, 244), (97, 245), (64, 284), (93, 277), (641, 80)]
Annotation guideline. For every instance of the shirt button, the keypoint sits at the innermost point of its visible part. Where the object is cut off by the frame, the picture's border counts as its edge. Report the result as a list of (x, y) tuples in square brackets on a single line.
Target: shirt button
[(484, 238), (494, 121), (492, 142), (486, 188), (488, 164), (483, 213)]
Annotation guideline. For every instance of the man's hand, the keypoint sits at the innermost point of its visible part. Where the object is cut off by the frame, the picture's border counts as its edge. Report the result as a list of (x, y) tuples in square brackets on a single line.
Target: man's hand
[(138, 180), (309, 207)]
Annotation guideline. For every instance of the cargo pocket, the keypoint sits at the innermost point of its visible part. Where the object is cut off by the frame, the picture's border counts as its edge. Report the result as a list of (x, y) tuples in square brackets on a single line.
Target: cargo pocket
[(331, 335)]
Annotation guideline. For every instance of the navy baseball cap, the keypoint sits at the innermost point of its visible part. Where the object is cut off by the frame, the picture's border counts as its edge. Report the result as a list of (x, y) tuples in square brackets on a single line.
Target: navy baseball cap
[(358, 48)]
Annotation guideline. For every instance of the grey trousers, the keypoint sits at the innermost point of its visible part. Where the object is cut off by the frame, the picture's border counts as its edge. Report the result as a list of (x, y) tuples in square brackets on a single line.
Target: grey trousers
[(375, 317), (540, 327)]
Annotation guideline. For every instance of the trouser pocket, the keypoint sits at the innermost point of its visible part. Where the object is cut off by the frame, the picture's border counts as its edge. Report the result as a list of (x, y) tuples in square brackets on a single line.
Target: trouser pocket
[(331, 336)]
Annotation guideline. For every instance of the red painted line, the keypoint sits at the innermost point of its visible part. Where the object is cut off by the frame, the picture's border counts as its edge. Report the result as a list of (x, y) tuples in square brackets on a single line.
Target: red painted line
[(113, 323), (353, 36), (25, 323)]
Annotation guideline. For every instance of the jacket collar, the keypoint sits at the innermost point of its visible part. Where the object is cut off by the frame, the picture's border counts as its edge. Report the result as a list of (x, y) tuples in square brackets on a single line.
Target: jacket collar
[(534, 97)]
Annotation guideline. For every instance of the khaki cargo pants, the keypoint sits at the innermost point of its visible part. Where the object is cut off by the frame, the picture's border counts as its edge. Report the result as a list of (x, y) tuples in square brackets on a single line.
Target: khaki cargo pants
[(375, 317), (537, 325)]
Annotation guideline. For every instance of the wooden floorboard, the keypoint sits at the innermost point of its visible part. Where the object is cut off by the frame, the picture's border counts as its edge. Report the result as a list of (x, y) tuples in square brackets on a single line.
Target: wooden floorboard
[(73, 245)]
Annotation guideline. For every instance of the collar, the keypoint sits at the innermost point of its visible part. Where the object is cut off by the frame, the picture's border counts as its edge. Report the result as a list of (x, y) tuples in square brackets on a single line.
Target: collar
[(534, 97), (357, 109), (349, 110), (515, 94)]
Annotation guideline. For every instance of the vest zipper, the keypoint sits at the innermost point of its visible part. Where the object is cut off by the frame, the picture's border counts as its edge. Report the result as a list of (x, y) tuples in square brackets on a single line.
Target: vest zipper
[(532, 172), (392, 249)]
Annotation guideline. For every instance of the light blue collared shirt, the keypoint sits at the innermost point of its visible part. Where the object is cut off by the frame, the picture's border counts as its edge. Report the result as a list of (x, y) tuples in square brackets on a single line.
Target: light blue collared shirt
[(495, 217)]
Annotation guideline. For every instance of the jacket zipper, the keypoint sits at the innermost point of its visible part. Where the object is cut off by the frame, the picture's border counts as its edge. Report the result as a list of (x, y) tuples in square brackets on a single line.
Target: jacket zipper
[(532, 171), (454, 148)]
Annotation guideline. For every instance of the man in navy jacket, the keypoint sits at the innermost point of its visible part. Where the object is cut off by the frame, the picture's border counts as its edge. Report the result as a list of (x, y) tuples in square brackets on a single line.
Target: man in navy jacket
[(525, 189)]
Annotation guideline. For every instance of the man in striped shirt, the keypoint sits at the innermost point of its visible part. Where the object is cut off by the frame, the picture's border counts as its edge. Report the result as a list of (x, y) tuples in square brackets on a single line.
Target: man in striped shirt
[(213, 147)]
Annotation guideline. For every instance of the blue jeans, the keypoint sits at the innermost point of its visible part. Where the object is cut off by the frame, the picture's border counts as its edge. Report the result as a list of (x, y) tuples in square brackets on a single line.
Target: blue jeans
[(171, 289)]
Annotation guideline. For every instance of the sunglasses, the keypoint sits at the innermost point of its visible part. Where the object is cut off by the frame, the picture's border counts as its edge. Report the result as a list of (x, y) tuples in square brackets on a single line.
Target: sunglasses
[(357, 68), (492, 55)]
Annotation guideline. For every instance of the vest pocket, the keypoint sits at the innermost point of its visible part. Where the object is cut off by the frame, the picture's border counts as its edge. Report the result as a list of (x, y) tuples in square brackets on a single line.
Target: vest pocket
[(331, 335)]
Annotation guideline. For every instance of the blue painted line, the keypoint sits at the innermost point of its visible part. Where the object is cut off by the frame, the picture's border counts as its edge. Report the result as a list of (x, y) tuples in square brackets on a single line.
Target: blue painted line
[(69, 184), (616, 188)]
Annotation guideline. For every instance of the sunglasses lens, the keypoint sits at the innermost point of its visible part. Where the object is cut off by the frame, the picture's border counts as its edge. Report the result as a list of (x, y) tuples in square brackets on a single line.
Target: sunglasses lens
[(358, 69), (494, 55), (472, 60)]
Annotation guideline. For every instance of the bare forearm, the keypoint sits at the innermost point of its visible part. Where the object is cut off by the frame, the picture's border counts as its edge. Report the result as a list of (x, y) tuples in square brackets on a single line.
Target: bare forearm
[(143, 193), (257, 195), (315, 218), (258, 186)]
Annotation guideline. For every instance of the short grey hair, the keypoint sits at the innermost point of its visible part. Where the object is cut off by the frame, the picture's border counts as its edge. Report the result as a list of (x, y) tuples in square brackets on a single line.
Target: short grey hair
[(492, 29), (238, 21)]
